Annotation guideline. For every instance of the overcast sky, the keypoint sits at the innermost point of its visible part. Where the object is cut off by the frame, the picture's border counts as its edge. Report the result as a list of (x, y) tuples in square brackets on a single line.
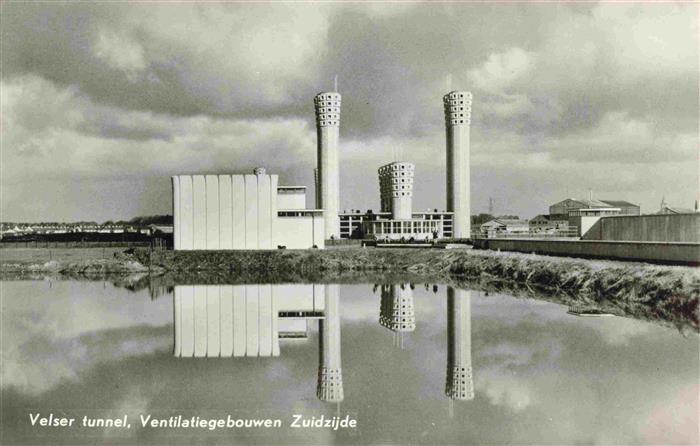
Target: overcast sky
[(102, 103)]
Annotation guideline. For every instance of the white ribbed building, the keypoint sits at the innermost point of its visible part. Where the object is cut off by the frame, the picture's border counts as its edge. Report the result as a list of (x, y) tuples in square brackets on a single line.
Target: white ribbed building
[(222, 212)]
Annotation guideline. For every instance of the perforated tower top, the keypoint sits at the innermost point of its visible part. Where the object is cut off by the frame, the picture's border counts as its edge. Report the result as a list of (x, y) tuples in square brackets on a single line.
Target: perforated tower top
[(458, 108), (327, 107)]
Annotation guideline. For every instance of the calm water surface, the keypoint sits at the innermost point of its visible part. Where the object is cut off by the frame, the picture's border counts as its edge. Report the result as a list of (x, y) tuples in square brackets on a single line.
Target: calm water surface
[(411, 364)]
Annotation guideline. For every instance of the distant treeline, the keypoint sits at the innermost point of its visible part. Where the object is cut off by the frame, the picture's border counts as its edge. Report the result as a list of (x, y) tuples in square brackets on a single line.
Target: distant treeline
[(151, 220), (483, 218)]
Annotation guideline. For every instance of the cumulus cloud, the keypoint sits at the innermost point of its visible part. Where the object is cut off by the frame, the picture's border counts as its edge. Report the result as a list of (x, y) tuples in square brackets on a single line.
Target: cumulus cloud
[(124, 95)]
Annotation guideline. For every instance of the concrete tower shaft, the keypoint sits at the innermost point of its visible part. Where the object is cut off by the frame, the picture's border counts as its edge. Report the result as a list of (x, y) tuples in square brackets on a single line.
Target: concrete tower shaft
[(458, 107), (459, 384), (330, 372), (327, 107), (396, 189)]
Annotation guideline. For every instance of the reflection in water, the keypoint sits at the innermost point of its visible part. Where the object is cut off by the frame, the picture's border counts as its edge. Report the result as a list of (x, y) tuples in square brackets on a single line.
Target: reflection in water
[(544, 376), (250, 320), (330, 372), (397, 311), (459, 384), (242, 320)]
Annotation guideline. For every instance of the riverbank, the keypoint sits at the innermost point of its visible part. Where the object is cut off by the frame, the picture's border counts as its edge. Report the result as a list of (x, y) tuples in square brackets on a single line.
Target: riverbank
[(659, 292)]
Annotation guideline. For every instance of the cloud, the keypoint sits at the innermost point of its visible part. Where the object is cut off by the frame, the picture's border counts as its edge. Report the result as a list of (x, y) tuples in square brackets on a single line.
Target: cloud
[(502, 70), (567, 98)]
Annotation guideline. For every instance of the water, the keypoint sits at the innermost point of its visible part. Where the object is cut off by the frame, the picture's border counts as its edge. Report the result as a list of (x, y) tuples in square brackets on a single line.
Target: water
[(461, 367)]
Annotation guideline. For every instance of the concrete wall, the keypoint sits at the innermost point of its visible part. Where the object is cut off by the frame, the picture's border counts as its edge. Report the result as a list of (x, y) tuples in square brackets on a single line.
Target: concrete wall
[(287, 200), (300, 232), (658, 252), (224, 211), (652, 228), (583, 223), (236, 212)]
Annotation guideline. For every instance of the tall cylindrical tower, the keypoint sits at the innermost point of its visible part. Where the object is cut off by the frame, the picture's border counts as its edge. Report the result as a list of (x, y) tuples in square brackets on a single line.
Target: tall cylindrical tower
[(459, 384), (396, 189), (458, 107), (330, 373), (327, 107)]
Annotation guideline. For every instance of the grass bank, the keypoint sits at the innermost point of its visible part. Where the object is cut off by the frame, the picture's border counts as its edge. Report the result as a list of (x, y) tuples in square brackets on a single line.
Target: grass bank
[(669, 293)]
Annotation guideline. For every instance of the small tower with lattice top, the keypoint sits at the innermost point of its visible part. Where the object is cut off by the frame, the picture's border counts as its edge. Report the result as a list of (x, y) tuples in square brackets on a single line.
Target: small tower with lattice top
[(396, 189)]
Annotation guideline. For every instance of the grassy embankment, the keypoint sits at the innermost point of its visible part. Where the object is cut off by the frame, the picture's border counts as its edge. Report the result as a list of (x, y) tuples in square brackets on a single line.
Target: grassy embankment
[(648, 291)]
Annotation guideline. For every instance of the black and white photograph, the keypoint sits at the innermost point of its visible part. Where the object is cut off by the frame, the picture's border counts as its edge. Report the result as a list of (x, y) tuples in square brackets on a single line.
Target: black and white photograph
[(343, 222)]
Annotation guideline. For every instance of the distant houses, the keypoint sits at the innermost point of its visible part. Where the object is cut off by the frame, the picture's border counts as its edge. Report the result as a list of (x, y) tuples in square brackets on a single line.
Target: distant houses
[(546, 223), (504, 227), (15, 230)]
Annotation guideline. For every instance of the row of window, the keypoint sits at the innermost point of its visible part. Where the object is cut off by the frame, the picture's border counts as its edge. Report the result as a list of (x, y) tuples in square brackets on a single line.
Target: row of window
[(458, 102), (324, 116), (389, 181), (327, 109), (403, 227), (458, 115), (328, 123), (322, 96), (458, 94)]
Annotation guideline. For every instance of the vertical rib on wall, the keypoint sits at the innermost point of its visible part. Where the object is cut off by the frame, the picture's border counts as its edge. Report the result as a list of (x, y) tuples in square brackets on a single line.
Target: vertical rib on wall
[(225, 213), (199, 212)]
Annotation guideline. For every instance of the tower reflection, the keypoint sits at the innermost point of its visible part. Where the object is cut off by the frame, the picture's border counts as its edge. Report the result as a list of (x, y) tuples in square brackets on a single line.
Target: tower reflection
[(459, 384), (397, 311), (330, 373)]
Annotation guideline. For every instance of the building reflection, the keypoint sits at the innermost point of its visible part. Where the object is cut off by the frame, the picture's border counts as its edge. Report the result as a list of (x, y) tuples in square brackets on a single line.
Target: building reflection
[(397, 311), (253, 320), (459, 384), (212, 321)]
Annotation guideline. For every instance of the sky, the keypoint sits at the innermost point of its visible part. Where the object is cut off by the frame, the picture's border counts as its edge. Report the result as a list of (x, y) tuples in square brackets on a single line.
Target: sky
[(102, 102)]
